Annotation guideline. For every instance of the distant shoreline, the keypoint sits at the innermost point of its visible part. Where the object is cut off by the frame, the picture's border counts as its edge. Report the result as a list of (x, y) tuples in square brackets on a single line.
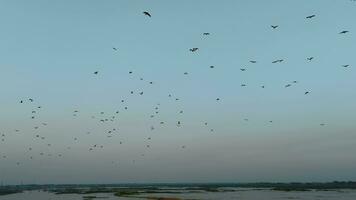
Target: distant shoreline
[(130, 189)]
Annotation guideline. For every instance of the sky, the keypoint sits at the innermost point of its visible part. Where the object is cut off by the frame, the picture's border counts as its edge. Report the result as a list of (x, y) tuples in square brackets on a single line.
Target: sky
[(51, 49)]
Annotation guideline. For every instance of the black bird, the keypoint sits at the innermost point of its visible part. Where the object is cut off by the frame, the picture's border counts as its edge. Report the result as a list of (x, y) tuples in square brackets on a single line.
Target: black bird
[(114, 48), (345, 66), (307, 92), (343, 32), (96, 72), (274, 27), (21, 101), (30, 99), (288, 85), (310, 58), (253, 61), (243, 85), (242, 69), (310, 16), (262, 86), (194, 49), (211, 67), (147, 13), (206, 33), (185, 73), (278, 61)]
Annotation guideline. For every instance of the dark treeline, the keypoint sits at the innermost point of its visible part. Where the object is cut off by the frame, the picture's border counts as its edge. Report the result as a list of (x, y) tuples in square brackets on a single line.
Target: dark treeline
[(210, 187)]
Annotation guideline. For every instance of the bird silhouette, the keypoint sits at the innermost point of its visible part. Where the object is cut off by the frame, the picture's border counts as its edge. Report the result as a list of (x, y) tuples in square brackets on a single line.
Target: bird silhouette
[(147, 13), (310, 16), (277, 61)]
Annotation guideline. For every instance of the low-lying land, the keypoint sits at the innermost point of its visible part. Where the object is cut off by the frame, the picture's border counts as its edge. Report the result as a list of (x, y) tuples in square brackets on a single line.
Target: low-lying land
[(140, 190)]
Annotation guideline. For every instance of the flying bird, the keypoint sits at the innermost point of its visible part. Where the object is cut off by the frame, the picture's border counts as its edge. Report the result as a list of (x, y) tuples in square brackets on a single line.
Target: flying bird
[(277, 61), (194, 49), (310, 16), (206, 33), (345, 66), (147, 13), (343, 32), (310, 58), (274, 27), (96, 72)]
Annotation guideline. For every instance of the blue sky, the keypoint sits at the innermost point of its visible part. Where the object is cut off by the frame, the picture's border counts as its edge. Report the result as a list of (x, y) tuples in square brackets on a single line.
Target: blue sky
[(49, 51)]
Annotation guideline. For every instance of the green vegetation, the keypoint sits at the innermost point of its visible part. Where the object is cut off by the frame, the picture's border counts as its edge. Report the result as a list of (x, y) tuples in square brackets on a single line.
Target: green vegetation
[(9, 190)]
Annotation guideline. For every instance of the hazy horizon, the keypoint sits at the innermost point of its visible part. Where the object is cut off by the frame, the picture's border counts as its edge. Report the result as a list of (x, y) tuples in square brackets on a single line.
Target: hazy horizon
[(214, 129)]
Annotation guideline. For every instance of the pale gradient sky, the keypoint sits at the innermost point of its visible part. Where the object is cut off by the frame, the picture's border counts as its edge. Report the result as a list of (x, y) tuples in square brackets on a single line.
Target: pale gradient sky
[(50, 49)]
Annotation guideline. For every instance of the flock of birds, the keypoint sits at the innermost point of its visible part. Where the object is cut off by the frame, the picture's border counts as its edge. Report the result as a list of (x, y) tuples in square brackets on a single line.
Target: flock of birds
[(107, 118)]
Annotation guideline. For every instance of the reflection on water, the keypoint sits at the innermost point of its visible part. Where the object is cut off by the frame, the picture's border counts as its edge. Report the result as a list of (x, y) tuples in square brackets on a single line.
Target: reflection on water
[(238, 194)]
